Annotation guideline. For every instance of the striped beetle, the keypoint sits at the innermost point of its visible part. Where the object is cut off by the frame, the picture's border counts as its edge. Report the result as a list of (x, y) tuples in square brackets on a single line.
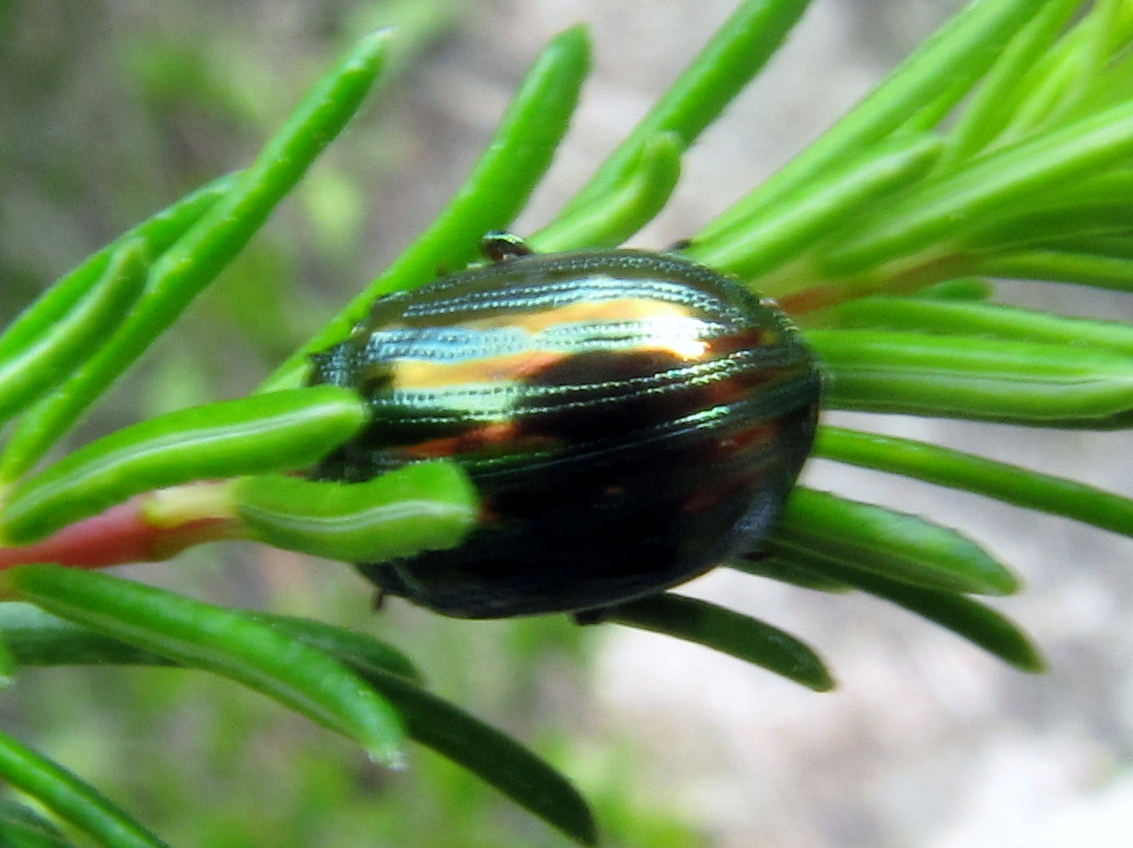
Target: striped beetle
[(631, 419)]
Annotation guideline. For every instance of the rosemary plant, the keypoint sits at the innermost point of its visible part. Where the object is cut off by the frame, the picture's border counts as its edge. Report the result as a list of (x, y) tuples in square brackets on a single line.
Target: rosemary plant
[(1000, 148)]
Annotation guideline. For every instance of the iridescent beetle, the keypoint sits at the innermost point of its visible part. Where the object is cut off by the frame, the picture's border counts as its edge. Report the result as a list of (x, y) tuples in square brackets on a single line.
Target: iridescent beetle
[(631, 419)]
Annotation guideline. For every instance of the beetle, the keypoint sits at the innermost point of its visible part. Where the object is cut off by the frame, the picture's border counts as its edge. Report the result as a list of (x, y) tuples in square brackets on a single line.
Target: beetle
[(631, 420)]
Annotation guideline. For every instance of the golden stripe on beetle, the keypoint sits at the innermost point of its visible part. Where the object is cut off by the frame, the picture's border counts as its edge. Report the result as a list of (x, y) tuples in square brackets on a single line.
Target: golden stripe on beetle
[(631, 419)]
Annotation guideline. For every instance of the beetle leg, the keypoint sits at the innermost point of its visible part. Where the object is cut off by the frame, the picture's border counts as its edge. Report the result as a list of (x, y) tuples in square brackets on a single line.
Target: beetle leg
[(504, 247), (597, 615)]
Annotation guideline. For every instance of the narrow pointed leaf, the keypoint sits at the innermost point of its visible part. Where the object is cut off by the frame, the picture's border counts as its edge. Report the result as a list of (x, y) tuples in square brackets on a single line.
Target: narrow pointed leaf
[(958, 470), (22, 827), (731, 632), (1062, 266), (188, 267), (219, 640), (992, 105), (626, 207), (762, 565), (960, 288), (275, 432), (1058, 223), (737, 52), (68, 341), (37, 638), (1073, 76), (1079, 215), (980, 319), (156, 234), (968, 618), (895, 545), (949, 62), (70, 798), (425, 506), (496, 191), (993, 187), (361, 653), (492, 756), (772, 235), (1052, 385)]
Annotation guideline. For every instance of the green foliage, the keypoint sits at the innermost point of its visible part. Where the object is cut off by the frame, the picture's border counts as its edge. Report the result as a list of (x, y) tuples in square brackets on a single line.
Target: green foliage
[(283, 431), (427, 506), (1000, 147), (70, 798)]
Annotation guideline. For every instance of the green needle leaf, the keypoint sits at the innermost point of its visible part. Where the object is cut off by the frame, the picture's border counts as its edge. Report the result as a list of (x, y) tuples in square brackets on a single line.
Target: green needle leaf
[(993, 105), (960, 288), (768, 236), (425, 506), (736, 53), (1068, 220), (22, 827), (895, 545), (1008, 483), (1073, 77), (37, 638), (725, 630), (1051, 385), (276, 432), (994, 186), (70, 798), (964, 616), (227, 643), (496, 191), (947, 64), (1103, 272), (155, 234), (613, 217), (60, 348), (772, 568), (492, 756), (361, 653), (978, 319), (183, 271)]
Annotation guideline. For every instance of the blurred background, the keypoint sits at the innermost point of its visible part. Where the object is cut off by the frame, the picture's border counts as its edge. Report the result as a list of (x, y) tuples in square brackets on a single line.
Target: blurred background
[(110, 109)]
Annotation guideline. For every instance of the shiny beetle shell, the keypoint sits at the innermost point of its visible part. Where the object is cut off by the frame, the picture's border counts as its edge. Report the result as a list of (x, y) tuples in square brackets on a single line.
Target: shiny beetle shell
[(631, 420)]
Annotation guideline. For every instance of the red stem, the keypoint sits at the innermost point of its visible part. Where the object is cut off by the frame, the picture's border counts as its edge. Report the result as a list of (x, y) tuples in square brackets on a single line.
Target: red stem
[(120, 535)]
